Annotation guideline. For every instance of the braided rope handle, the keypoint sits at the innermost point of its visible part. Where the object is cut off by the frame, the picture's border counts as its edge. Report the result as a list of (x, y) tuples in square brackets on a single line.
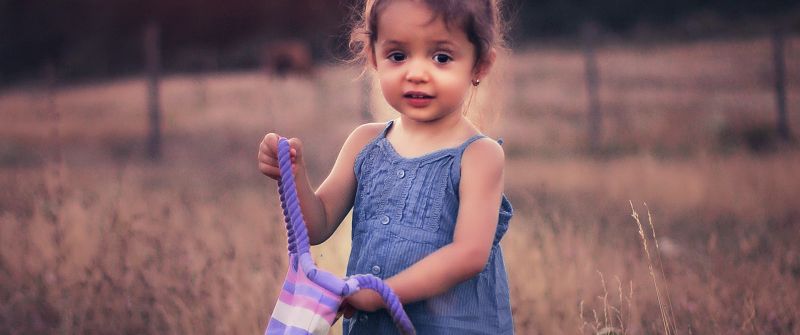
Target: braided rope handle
[(299, 244), (393, 304), (295, 225)]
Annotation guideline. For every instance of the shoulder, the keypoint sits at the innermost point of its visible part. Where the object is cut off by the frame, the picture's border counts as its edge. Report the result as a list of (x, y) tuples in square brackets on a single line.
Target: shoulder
[(368, 131), (483, 158), (485, 151), (361, 136)]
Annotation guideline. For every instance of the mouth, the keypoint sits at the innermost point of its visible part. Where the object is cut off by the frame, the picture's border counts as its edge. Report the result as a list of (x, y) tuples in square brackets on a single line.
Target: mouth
[(418, 99), (417, 95)]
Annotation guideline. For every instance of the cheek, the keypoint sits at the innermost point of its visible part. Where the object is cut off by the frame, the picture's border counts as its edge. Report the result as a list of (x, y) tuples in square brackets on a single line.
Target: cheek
[(388, 86), (389, 79), (390, 90), (458, 87)]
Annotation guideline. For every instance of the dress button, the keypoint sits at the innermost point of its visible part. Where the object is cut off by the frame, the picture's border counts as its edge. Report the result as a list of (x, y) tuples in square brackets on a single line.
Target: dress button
[(385, 219), (376, 269), (363, 318), (401, 173)]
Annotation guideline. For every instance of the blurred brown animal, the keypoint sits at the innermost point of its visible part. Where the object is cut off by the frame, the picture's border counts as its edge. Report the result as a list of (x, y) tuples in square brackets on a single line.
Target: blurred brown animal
[(286, 57)]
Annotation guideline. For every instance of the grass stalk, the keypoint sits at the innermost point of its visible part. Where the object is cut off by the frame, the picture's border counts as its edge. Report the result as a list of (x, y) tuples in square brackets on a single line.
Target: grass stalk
[(661, 305), (671, 312)]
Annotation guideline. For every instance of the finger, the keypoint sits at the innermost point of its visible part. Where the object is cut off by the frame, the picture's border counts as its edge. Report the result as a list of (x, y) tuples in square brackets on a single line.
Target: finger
[(263, 158), (263, 150), (297, 145), (273, 159), (266, 147), (272, 142), (272, 146), (269, 171)]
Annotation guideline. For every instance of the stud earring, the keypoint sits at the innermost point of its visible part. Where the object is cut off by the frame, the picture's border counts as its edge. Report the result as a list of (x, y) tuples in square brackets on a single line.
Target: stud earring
[(476, 82)]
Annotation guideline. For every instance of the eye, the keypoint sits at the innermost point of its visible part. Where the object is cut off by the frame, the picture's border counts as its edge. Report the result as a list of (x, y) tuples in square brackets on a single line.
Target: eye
[(442, 58), (397, 57)]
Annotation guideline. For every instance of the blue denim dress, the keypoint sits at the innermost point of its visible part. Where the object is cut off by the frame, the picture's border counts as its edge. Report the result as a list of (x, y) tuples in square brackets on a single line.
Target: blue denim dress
[(405, 209)]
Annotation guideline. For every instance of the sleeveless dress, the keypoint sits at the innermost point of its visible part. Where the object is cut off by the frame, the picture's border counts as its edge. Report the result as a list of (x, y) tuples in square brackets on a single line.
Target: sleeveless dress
[(405, 209)]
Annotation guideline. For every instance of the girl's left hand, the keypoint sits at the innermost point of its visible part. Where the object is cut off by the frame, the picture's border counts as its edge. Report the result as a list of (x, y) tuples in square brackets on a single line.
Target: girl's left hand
[(364, 300)]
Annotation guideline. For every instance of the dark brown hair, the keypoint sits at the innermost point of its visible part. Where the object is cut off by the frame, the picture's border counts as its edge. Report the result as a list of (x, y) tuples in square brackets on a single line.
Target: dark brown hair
[(479, 19)]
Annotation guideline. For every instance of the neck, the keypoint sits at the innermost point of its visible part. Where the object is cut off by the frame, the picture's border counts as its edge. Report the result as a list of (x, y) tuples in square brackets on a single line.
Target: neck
[(432, 129)]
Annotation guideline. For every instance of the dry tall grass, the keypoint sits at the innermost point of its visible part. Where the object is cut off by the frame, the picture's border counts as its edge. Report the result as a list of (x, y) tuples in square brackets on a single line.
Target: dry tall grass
[(96, 239)]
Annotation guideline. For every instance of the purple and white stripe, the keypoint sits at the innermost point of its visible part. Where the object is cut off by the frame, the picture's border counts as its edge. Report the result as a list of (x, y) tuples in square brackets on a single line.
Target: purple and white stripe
[(303, 307)]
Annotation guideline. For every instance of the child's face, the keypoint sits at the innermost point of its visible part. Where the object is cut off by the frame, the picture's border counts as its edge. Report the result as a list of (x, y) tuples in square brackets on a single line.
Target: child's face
[(425, 69)]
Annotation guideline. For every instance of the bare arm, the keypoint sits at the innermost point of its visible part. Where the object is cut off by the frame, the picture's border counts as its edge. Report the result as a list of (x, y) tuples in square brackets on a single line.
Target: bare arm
[(324, 208), (337, 192), (480, 193)]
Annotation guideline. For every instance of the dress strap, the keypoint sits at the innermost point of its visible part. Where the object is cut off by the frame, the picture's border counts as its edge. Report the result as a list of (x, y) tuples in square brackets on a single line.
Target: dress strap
[(386, 129), (455, 172), (469, 141)]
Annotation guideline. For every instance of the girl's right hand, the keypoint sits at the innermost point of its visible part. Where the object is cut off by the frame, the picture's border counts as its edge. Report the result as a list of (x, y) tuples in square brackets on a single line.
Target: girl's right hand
[(268, 155)]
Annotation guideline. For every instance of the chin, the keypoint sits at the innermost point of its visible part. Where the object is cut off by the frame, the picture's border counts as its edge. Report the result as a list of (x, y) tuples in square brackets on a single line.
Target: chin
[(420, 114)]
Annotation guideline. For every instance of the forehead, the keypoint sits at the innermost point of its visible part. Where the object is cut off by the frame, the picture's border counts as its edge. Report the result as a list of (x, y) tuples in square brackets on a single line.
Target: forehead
[(409, 21)]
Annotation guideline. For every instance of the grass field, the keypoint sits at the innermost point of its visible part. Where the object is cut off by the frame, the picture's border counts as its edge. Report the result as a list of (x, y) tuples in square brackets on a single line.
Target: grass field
[(95, 238)]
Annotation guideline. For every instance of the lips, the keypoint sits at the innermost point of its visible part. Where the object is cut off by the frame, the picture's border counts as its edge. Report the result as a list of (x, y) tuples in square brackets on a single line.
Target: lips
[(417, 95), (418, 99)]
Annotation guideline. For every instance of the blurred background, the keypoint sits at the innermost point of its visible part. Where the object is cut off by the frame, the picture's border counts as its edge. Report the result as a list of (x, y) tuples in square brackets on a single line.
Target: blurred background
[(651, 157)]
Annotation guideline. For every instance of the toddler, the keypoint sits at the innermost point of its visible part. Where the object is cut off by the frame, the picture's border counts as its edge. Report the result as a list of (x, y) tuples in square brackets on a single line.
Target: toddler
[(426, 188)]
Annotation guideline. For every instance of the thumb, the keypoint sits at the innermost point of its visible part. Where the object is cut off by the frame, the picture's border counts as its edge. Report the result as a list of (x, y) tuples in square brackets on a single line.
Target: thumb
[(297, 149)]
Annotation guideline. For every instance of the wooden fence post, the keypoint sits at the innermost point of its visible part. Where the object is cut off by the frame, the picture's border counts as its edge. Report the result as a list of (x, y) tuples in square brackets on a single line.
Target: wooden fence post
[(780, 82), (56, 184), (153, 66), (589, 33)]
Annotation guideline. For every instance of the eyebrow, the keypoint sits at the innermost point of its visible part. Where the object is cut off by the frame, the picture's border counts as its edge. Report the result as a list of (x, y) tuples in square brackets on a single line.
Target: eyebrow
[(438, 43), (392, 42)]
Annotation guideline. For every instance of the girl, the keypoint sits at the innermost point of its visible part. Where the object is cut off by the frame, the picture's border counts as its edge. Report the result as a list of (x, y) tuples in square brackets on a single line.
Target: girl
[(425, 188)]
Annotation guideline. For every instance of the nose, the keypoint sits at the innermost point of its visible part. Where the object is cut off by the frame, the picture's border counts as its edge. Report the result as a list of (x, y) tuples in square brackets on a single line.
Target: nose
[(417, 72)]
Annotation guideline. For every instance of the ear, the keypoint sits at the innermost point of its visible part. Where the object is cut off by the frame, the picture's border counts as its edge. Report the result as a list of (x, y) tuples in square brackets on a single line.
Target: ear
[(482, 69)]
